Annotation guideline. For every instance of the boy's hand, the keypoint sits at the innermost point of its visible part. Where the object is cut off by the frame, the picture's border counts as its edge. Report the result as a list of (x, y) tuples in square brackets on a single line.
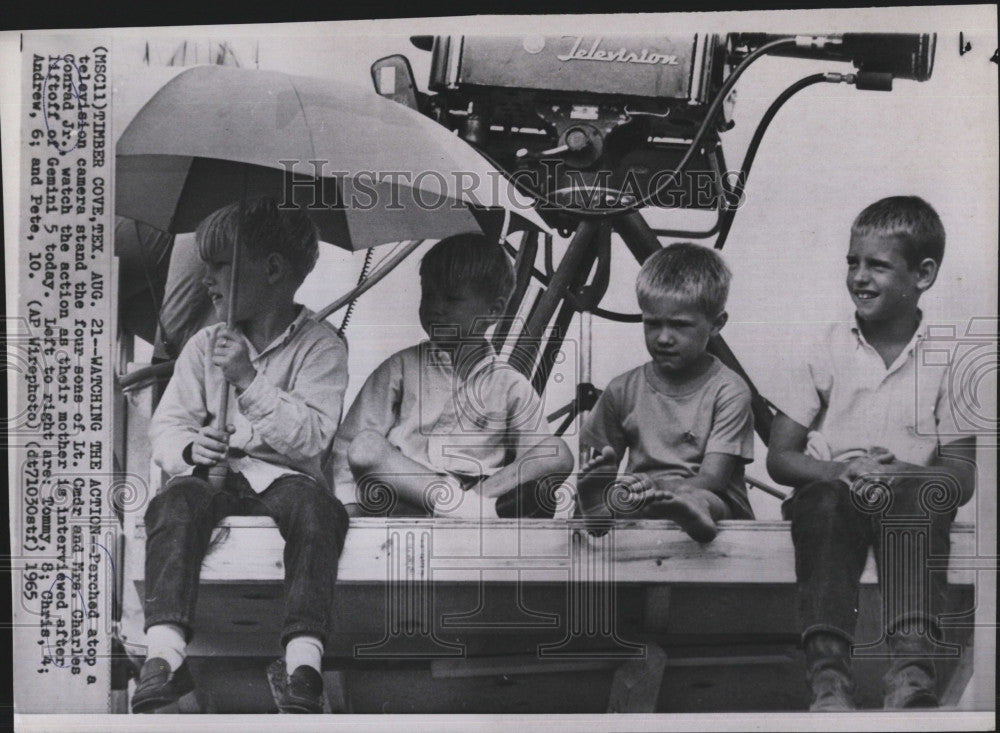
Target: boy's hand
[(636, 484), (876, 463), (230, 354), (210, 445), (605, 457), (880, 463)]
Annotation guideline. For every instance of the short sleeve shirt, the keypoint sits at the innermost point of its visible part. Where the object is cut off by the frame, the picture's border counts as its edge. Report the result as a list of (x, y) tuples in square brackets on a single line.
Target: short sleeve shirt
[(843, 389), (669, 432)]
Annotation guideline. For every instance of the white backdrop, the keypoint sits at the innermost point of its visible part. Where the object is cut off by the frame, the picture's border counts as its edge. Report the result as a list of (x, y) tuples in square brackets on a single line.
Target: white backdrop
[(831, 151)]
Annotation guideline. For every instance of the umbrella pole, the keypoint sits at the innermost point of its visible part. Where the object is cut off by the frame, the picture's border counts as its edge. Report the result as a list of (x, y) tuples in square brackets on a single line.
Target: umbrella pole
[(217, 473), (372, 280)]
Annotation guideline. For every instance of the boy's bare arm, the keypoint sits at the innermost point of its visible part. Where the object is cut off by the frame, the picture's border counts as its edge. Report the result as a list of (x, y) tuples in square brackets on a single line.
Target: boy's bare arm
[(715, 473), (788, 464), (537, 457)]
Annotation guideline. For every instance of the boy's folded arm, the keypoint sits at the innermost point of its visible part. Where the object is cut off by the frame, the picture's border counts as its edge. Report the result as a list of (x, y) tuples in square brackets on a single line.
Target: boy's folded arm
[(956, 456), (787, 462), (181, 411), (537, 453), (170, 446), (300, 423)]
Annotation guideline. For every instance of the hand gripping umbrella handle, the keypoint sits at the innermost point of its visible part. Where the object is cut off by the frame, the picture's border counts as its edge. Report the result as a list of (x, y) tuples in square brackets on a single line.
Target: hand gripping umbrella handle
[(217, 473)]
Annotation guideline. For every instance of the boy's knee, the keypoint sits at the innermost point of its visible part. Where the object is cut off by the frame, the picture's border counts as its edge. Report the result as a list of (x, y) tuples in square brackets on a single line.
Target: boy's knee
[(563, 462), (552, 452), (932, 495), (366, 451), (180, 496), (317, 511), (820, 497)]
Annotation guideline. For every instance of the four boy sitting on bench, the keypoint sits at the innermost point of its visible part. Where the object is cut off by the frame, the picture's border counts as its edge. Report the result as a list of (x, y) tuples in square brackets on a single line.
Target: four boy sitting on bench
[(445, 427)]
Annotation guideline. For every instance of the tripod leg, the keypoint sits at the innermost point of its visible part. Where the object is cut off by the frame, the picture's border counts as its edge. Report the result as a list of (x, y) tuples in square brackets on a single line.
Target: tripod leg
[(523, 264), (567, 274), (638, 237)]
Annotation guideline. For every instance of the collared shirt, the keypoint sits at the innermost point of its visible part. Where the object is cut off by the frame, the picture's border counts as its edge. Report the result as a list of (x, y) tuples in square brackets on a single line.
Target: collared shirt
[(460, 419), (285, 420), (844, 390)]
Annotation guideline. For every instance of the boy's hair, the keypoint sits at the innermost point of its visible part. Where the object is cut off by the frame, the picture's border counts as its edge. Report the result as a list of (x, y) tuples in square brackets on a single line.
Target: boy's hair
[(690, 271), (910, 219), (264, 228), (469, 259)]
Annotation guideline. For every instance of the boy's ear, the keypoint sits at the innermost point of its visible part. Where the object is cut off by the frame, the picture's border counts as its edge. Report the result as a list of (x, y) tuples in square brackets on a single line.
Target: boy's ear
[(927, 272), (497, 306), (719, 322), (277, 267)]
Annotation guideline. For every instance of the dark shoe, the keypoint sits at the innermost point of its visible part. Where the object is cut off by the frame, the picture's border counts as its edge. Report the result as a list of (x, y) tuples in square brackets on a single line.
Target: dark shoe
[(911, 681), (908, 685), (298, 692), (828, 672), (157, 687)]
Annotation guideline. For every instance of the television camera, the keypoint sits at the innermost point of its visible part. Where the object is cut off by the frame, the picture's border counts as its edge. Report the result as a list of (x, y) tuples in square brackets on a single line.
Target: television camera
[(597, 124), (596, 128)]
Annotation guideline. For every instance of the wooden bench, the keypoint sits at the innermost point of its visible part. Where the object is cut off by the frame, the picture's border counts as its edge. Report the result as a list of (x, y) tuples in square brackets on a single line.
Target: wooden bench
[(542, 597), (644, 551)]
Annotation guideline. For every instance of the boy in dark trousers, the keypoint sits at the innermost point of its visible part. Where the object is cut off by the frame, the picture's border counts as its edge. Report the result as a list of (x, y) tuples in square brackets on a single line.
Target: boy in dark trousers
[(867, 437), (286, 372)]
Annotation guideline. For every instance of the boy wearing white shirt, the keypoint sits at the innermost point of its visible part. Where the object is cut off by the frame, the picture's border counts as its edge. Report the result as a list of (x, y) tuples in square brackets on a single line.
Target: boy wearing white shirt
[(446, 427), (882, 425)]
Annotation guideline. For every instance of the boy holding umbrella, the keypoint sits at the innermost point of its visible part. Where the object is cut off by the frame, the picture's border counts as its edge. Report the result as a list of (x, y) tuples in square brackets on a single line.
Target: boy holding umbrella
[(285, 373)]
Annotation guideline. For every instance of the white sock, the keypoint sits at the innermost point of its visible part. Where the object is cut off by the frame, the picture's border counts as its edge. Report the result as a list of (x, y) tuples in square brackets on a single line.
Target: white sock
[(166, 641), (304, 650)]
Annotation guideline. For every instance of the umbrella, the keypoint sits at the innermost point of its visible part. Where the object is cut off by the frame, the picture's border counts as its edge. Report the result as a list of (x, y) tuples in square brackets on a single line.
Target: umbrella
[(213, 135), (142, 253), (380, 171)]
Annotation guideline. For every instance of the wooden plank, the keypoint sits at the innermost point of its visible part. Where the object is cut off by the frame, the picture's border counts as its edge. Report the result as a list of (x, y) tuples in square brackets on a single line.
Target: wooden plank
[(422, 549), (636, 684), (519, 664), (335, 697), (959, 678), (528, 664)]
